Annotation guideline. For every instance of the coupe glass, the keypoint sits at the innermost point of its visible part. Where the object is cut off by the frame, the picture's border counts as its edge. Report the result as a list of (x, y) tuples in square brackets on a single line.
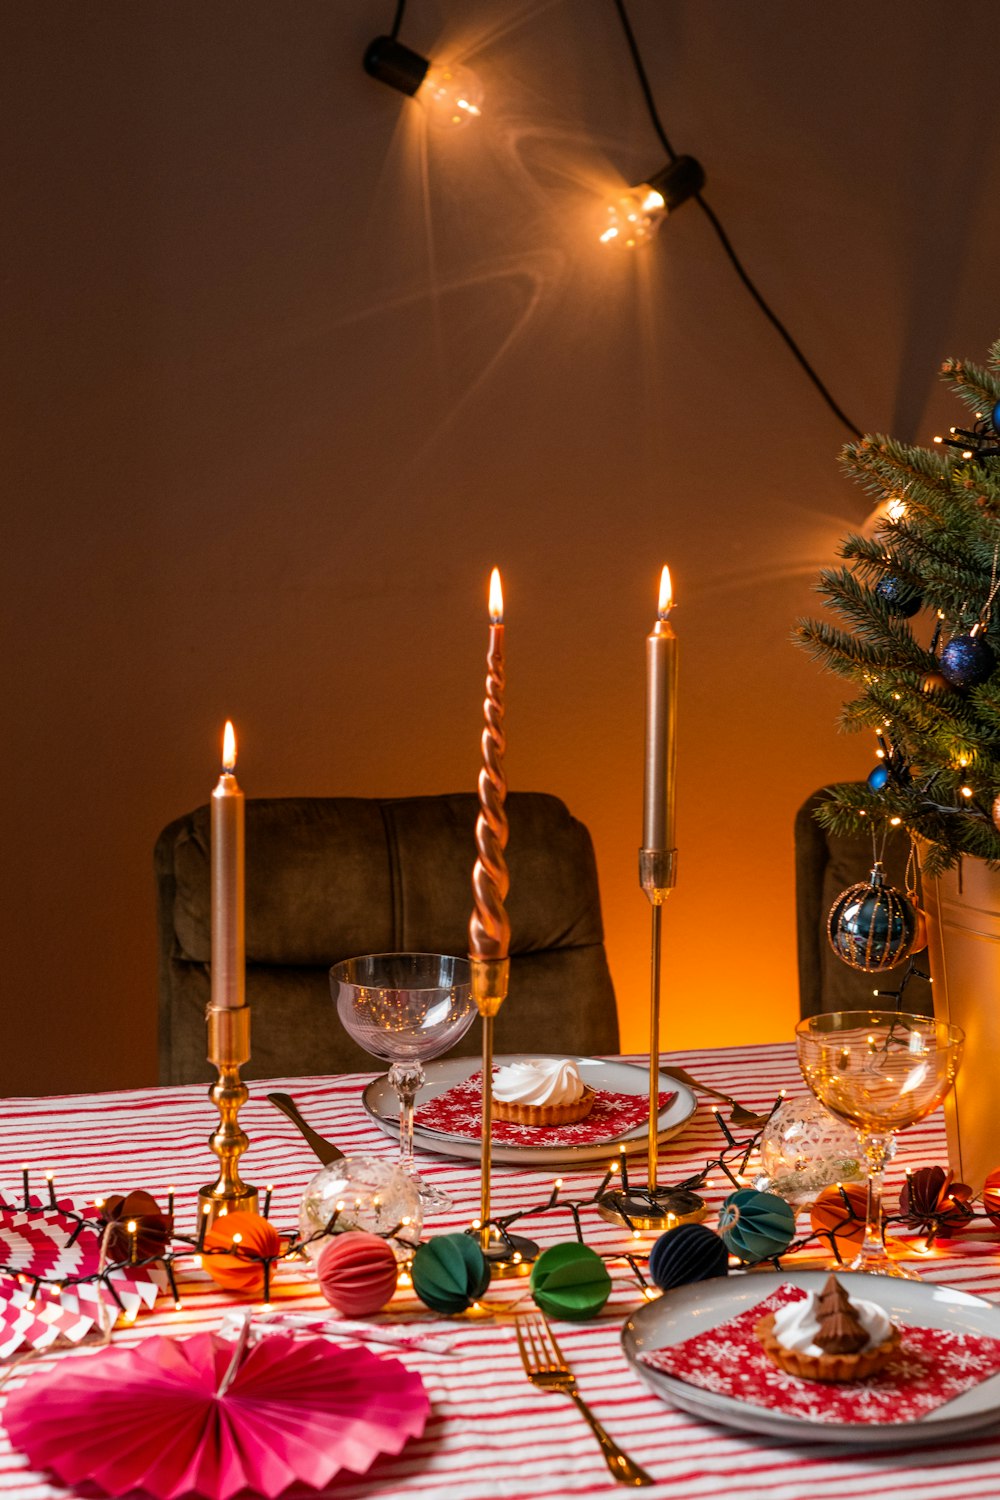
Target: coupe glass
[(406, 1008), (880, 1071)]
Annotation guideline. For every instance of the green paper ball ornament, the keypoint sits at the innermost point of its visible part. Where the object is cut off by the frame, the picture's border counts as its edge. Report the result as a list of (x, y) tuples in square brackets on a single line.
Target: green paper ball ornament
[(449, 1273), (570, 1281), (756, 1226)]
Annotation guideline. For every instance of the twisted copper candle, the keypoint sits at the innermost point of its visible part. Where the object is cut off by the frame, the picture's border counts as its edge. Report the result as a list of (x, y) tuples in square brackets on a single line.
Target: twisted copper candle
[(489, 925)]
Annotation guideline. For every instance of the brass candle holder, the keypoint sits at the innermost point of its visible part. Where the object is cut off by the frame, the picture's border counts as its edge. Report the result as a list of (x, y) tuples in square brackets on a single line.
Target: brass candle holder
[(647, 1205), (228, 1050)]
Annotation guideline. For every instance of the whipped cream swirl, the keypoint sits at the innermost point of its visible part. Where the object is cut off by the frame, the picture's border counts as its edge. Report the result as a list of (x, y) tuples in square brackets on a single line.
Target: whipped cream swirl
[(796, 1326), (543, 1080)]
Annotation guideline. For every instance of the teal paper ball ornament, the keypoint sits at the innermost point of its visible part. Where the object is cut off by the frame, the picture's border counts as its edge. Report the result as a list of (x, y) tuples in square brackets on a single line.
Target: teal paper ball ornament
[(449, 1273), (756, 1226), (570, 1281)]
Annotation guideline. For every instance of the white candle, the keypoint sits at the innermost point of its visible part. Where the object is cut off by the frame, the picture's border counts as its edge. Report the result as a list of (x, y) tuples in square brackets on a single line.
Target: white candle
[(228, 964), (661, 727)]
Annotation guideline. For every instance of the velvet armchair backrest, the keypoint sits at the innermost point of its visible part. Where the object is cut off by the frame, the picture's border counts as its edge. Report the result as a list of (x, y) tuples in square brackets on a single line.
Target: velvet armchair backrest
[(330, 878)]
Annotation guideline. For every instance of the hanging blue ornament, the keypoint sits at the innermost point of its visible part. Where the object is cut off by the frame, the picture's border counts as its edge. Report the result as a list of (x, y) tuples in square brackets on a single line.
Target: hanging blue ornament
[(898, 596), (690, 1252), (871, 925), (756, 1226), (878, 776), (967, 660), (995, 417)]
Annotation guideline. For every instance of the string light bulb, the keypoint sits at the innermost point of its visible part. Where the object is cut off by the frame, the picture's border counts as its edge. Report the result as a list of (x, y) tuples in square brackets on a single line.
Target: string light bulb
[(634, 217), (451, 93)]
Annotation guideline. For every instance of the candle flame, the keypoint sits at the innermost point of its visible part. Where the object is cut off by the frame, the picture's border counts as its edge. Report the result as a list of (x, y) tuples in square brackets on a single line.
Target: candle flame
[(496, 597), (666, 602), (229, 747)]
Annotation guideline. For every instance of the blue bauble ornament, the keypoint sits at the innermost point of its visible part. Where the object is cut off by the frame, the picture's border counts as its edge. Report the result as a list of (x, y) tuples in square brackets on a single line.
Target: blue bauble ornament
[(995, 417), (872, 926), (691, 1252), (756, 1226), (967, 660), (878, 776), (898, 596)]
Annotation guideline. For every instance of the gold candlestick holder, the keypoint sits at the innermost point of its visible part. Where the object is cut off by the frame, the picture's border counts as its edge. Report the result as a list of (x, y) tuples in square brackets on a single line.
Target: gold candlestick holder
[(228, 1050), (508, 1254), (647, 1205)]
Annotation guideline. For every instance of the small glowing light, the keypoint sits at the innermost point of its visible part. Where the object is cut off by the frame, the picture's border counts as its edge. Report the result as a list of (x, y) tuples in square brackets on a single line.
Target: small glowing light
[(229, 747), (223, 1211), (340, 1205), (30, 1304), (966, 452), (237, 1238), (880, 754), (635, 1234), (405, 1279), (633, 217), (558, 1182), (666, 600), (98, 1202), (895, 822), (516, 1257), (966, 791), (196, 1260), (405, 1220), (267, 1307), (451, 94), (131, 1226), (782, 1093), (896, 509), (496, 598), (178, 1305)]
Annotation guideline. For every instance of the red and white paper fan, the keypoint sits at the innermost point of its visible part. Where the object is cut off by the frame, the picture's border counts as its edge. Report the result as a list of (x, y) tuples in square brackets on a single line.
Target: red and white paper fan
[(200, 1415), (50, 1244)]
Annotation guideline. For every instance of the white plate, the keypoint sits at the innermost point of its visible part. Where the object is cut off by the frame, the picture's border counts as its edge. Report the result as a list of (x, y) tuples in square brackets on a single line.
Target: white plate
[(379, 1099), (689, 1310)]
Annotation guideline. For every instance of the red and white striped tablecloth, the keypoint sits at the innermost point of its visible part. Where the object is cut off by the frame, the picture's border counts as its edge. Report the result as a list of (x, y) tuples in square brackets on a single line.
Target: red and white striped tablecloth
[(490, 1433)]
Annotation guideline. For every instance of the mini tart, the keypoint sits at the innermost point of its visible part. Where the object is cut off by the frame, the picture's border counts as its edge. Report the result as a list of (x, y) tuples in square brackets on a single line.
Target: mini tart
[(828, 1367), (545, 1114)]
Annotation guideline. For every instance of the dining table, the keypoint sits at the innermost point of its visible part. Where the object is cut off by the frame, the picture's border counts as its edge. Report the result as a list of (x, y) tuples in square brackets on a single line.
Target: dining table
[(490, 1433)]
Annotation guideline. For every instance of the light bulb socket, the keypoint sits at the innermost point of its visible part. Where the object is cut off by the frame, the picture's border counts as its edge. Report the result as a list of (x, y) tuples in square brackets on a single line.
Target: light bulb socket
[(679, 181), (398, 66)]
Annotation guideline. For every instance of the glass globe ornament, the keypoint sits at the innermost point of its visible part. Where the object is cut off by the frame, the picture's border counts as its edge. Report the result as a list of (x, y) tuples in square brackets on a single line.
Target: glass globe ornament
[(361, 1192), (803, 1149)]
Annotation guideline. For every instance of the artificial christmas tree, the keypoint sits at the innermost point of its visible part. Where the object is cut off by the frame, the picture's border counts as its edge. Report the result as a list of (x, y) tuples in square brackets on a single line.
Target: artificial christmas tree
[(920, 639)]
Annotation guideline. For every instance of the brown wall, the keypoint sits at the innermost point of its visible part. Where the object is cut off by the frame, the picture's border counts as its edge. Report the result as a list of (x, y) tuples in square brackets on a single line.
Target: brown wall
[(283, 381)]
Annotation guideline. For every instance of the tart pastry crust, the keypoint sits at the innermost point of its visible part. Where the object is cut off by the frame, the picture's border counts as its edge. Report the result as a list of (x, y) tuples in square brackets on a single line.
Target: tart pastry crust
[(828, 1367)]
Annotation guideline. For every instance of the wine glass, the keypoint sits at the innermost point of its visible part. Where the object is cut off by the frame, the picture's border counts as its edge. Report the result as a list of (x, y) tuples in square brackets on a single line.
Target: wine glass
[(880, 1071), (406, 1008)]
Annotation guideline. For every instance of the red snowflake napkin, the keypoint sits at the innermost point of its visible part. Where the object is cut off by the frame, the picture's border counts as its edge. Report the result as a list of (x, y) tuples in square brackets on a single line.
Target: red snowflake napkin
[(933, 1366), (458, 1112)]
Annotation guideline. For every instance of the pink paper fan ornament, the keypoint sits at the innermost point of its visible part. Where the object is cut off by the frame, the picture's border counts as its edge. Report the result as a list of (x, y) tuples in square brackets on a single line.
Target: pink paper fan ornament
[(199, 1415)]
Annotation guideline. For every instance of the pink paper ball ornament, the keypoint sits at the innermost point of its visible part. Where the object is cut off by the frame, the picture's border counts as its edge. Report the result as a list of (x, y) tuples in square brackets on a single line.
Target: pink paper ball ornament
[(357, 1273)]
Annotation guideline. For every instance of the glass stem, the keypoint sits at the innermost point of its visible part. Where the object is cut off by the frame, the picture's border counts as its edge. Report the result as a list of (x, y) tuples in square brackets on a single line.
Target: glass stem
[(875, 1148), (406, 1078)]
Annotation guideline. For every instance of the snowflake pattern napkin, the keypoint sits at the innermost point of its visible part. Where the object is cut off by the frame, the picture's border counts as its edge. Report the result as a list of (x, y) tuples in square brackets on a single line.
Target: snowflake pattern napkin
[(933, 1366), (457, 1112)]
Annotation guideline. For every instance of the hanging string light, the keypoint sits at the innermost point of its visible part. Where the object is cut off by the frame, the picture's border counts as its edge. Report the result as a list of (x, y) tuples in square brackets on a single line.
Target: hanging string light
[(451, 93)]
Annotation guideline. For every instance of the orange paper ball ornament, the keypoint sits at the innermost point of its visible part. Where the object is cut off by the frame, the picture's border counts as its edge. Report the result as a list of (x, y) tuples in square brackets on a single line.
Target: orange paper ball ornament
[(841, 1210), (357, 1272), (991, 1196), (251, 1239)]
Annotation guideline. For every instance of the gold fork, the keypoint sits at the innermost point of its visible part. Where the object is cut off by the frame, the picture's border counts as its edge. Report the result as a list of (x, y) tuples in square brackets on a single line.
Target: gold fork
[(546, 1367)]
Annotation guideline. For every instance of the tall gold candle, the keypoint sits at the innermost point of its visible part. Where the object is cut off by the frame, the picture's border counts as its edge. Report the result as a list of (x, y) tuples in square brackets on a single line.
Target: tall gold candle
[(489, 926), (228, 956), (661, 727)]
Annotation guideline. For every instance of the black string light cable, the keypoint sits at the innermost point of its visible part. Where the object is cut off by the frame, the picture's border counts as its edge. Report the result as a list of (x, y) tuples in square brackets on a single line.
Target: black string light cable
[(724, 240)]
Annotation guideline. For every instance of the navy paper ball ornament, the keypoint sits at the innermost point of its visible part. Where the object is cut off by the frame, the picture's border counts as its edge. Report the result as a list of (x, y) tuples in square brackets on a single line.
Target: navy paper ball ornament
[(690, 1252), (878, 776), (756, 1226), (871, 925), (967, 660), (899, 597), (450, 1272)]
